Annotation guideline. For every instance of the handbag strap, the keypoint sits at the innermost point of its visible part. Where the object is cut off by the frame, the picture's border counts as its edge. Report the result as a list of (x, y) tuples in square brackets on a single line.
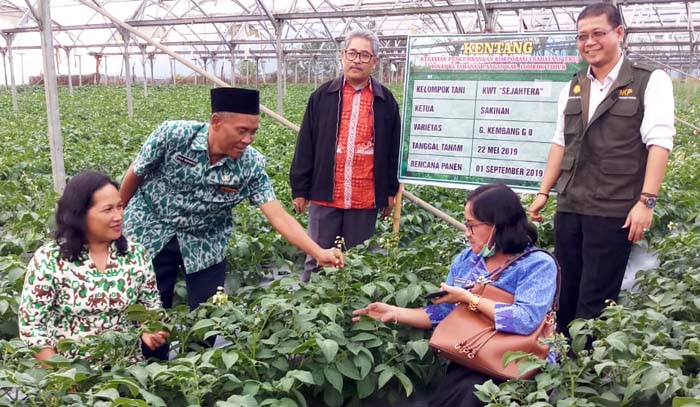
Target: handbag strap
[(494, 275)]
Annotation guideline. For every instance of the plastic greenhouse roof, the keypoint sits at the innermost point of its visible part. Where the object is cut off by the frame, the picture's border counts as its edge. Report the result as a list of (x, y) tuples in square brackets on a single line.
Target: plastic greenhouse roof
[(660, 30)]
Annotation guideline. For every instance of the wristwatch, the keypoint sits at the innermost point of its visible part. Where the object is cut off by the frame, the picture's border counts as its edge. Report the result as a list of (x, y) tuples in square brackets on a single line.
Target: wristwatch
[(648, 200)]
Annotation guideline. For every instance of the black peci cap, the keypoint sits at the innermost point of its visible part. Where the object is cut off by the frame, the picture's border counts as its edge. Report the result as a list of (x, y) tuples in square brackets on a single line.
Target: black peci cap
[(235, 100)]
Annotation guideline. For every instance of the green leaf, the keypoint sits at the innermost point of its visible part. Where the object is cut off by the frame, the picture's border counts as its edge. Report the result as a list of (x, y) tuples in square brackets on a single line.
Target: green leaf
[(251, 388), (365, 324), (329, 347), (229, 358), (122, 401), (139, 373), (600, 366), (332, 397), (334, 377), (405, 382), (685, 402), (203, 324), (617, 340), (152, 399), (238, 401), (302, 375), (384, 377), (329, 310), (285, 384), (110, 394), (363, 337), (348, 369), (510, 357), (369, 289), (609, 396), (653, 379), (421, 347), (363, 363), (366, 386), (528, 365)]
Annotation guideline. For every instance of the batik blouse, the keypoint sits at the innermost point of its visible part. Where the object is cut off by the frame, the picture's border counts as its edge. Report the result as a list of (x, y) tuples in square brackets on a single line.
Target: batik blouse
[(65, 299)]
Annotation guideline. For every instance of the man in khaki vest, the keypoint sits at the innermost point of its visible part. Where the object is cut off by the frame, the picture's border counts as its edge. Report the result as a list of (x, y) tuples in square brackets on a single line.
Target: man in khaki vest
[(607, 161)]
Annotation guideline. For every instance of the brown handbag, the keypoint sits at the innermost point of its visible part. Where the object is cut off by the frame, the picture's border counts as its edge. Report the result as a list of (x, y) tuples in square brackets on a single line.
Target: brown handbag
[(470, 338)]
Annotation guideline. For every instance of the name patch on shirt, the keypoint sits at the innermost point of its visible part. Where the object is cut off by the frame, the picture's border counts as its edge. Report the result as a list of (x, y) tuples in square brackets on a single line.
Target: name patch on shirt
[(185, 160), (460, 281), (228, 189)]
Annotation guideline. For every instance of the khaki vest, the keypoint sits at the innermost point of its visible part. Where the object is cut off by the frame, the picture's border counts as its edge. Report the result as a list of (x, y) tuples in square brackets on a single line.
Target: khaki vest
[(604, 162)]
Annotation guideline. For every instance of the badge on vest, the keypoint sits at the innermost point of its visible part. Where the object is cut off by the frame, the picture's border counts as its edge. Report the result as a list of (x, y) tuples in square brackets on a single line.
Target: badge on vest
[(577, 89), (185, 160), (627, 94)]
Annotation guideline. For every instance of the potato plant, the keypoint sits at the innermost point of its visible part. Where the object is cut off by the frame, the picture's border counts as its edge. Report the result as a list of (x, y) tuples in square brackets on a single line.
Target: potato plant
[(293, 344)]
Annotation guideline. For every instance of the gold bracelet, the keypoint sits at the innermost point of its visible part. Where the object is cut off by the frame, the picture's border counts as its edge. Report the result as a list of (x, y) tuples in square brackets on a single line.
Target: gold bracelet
[(474, 305)]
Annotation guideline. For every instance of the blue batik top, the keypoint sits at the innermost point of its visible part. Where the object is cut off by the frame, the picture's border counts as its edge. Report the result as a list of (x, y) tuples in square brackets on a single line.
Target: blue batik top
[(532, 280)]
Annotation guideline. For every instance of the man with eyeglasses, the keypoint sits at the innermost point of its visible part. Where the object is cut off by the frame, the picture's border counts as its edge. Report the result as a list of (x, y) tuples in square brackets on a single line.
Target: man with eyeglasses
[(607, 161), (346, 159)]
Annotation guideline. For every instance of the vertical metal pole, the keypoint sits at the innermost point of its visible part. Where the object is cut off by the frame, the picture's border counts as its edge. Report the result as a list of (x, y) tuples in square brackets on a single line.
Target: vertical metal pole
[(151, 57), (21, 68), (80, 70), (280, 66), (315, 65), (247, 72), (308, 72), (233, 69), (51, 91), (98, 59), (143, 69), (172, 70), (127, 72), (4, 67), (257, 72), (296, 72), (70, 76), (13, 85), (106, 81)]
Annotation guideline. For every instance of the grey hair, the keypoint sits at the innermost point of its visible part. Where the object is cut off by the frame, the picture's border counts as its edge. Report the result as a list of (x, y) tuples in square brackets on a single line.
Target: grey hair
[(366, 34)]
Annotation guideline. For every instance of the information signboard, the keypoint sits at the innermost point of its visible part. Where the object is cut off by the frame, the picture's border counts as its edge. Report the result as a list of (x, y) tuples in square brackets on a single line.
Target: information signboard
[(482, 108)]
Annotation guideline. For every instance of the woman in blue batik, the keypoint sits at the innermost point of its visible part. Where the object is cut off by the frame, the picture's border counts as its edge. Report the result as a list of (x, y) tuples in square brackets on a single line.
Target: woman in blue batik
[(497, 230)]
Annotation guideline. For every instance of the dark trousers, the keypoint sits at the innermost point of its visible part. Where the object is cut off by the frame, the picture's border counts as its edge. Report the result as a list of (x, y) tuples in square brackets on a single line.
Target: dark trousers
[(200, 285), (457, 388), (593, 253), (326, 223)]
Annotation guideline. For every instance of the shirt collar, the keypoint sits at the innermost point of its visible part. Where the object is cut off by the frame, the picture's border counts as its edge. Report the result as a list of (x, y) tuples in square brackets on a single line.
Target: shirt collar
[(200, 141), (612, 75), (369, 84)]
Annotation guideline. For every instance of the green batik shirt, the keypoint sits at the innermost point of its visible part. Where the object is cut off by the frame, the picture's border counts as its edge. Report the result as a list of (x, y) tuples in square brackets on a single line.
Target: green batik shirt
[(72, 300), (182, 194)]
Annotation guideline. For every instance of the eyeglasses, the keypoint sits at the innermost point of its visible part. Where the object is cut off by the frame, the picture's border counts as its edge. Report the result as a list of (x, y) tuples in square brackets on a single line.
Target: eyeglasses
[(596, 35), (471, 226), (352, 55)]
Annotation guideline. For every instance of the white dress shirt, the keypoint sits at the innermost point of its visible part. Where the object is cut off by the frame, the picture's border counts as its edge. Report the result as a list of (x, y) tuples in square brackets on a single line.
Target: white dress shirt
[(657, 125)]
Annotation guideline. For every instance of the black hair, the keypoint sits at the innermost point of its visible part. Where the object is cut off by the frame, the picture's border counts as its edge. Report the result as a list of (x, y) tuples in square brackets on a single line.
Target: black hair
[(498, 205), (597, 9), (71, 214)]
